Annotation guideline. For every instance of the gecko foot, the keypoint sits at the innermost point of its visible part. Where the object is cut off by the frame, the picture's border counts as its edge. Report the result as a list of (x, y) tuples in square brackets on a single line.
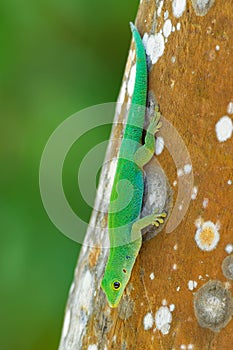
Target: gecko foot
[(155, 123), (159, 219)]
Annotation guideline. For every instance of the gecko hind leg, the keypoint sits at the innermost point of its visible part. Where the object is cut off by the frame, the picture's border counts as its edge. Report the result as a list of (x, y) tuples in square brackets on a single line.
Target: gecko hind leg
[(144, 153)]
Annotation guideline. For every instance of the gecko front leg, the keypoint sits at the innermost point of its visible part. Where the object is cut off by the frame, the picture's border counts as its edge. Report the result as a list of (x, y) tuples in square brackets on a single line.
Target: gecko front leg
[(153, 219)]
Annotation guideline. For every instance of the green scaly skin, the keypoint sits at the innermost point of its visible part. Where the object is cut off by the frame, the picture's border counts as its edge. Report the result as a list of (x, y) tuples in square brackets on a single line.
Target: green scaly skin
[(124, 221)]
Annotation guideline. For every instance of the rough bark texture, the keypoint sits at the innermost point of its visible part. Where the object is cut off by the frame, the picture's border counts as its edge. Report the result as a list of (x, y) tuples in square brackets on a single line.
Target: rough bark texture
[(164, 306)]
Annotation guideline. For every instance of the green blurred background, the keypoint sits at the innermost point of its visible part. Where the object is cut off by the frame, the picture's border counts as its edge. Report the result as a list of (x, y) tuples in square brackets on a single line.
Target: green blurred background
[(56, 58)]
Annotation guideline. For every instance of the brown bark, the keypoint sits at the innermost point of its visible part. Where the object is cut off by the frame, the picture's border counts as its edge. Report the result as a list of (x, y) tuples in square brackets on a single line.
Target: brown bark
[(193, 84)]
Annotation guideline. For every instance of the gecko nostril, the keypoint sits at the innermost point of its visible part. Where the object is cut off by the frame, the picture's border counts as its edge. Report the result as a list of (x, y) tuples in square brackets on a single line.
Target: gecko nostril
[(124, 270)]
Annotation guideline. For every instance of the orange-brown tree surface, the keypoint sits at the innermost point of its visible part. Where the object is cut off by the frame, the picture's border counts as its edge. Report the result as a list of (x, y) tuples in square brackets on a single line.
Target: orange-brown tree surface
[(180, 292)]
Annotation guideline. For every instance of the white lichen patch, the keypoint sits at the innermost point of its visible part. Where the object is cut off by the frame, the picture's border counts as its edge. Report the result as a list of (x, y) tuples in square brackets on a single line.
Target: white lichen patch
[(178, 26), (187, 347), (152, 276), (230, 108), (187, 168), (160, 6), (207, 236), (122, 93), (173, 59), (175, 246), (172, 307), (201, 7), (224, 128), (190, 347), (205, 203), (164, 302), (229, 248), (66, 324), (167, 28), (174, 266), (128, 105), (159, 145), (112, 167), (145, 39), (121, 98), (163, 319), (213, 306), (92, 347), (178, 7), (131, 81), (178, 289), (89, 289), (166, 15), (155, 43), (229, 182), (148, 321), (194, 193), (217, 47), (154, 47), (174, 183), (192, 285)]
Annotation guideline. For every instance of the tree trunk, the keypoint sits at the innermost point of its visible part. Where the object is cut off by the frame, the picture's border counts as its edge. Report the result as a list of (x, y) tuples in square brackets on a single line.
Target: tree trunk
[(179, 294)]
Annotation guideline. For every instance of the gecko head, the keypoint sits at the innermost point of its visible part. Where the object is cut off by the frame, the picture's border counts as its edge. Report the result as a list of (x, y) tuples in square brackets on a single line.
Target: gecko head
[(114, 285)]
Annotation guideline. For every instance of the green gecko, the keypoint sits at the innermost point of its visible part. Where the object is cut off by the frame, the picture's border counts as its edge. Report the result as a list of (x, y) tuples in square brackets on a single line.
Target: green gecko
[(124, 222)]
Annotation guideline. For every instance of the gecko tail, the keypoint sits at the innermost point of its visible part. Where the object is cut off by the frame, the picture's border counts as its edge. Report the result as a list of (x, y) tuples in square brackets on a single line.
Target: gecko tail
[(132, 26)]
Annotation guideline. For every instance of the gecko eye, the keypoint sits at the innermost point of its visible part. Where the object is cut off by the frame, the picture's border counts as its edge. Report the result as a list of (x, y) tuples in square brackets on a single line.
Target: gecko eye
[(116, 285)]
